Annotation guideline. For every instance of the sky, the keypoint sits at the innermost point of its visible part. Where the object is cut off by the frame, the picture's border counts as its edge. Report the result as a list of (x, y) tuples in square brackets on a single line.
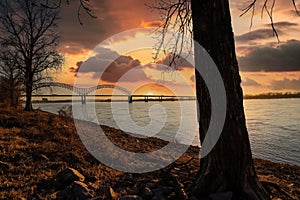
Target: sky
[(104, 54)]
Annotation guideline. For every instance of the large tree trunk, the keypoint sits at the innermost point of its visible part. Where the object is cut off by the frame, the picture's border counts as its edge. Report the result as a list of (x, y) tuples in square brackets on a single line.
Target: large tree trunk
[(12, 95), (28, 88), (229, 166), (28, 104)]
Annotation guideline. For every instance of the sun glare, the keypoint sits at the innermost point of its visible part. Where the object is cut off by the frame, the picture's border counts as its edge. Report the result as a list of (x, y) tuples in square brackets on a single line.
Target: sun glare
[(153, 89)]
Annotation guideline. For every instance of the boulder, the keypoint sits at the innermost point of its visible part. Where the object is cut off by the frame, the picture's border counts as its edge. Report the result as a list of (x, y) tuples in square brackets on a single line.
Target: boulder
[(62, 195), (66, 177), (163, 190), (151, 185), (147, 193), (108, 193), (80, 191)]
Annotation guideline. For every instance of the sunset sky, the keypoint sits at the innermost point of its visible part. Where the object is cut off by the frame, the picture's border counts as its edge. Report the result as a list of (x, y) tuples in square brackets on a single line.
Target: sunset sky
[(265, 64)]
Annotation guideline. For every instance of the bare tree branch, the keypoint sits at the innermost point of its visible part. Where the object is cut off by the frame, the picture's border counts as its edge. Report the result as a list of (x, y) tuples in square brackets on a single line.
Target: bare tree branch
[(295, 7), (84, 6), (176, 16), (268, 11)]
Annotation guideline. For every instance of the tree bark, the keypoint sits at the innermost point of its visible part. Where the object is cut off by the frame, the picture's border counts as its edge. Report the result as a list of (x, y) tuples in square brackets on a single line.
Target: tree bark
[(12, 95), (28, 104), (28, 88), (229, 166)]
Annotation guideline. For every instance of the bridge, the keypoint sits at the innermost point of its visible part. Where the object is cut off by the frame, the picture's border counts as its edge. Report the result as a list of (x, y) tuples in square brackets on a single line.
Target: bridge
[(86, 92)]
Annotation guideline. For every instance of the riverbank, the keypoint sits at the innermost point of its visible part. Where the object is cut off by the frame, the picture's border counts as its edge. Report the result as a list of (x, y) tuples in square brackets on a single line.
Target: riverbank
[(35, 147)]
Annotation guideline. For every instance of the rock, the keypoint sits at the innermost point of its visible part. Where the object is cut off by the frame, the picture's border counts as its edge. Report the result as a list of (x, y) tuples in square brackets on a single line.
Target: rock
[(108, 193), (151, 185), (158, 195), (131, 197), (147, 193), (62, 195), (163, 190), (80, 191), (77, 190), (66, 177), (221, 196)]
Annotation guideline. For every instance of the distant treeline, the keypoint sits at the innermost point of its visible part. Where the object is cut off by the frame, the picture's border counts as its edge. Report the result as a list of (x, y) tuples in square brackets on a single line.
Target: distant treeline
[(272, 95)]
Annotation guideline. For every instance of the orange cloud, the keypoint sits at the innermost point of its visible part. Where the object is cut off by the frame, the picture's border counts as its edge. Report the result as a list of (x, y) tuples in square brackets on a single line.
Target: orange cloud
[(155, 23)]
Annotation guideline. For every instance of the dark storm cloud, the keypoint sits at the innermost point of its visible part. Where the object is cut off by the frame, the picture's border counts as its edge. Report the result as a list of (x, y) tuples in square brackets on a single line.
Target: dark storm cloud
[(121, 66), (257, 34), (112, 17), (169, 61), (272, 59), (75, 69), (92, 32), (110, 66), (266, 33), (286, 84), (250, 82)]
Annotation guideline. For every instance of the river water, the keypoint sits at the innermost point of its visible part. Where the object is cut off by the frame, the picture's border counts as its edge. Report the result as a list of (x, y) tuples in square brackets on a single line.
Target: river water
[(273, 124)]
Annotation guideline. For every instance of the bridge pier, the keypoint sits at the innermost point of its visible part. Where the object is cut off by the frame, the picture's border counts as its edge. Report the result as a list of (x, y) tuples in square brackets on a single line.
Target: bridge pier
[(83, 99), (129, 99), (160, 98)]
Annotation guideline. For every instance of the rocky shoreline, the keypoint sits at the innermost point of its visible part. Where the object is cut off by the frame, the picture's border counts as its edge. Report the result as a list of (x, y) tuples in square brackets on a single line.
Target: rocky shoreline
[(42, 157)]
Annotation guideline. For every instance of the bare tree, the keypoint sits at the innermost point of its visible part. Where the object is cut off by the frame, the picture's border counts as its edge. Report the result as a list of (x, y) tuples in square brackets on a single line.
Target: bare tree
[(28, 33), (10, 79), (229, 167)]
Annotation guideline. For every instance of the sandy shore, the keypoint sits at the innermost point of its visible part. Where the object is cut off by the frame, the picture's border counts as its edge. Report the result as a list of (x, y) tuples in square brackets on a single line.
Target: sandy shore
[(35, 147)]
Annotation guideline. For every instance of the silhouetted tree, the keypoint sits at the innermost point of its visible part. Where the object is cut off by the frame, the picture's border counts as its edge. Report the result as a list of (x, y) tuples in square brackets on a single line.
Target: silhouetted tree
[(229, 166), (28, 32), (10, 80)]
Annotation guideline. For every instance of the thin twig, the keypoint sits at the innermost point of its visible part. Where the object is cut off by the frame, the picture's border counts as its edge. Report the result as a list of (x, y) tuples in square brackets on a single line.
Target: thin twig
[(269, 12)]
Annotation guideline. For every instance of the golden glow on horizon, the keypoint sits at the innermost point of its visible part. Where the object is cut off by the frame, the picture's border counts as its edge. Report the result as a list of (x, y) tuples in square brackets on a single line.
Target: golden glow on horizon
[(153, 89)]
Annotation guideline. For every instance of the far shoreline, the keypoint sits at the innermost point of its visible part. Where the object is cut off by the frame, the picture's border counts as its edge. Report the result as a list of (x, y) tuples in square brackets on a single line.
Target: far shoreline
[(70, 101)]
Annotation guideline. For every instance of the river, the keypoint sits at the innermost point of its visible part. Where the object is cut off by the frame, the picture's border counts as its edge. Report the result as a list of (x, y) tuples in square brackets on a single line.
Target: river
[(273, 124)]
